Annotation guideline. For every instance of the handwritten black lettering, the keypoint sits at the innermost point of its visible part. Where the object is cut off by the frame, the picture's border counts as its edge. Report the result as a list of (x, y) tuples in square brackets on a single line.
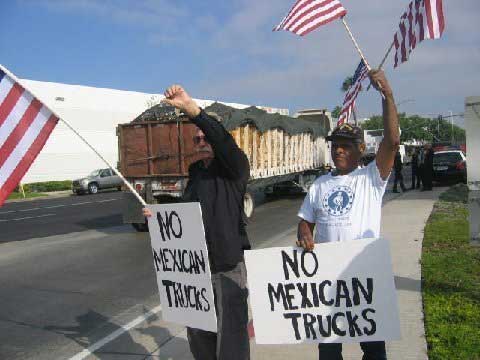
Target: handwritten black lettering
[(311, 255), (373, 325), (294, 317), (292, 263), (367, 294)]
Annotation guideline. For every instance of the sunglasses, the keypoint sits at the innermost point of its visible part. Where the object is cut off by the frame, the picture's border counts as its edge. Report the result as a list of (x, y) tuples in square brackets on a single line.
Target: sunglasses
[(197, 139)]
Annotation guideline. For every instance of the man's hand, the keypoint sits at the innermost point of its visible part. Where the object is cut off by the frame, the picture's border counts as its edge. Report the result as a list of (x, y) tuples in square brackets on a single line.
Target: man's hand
[(176, 96), (305, 235), (146, 212), (379, 82), (391, 135)]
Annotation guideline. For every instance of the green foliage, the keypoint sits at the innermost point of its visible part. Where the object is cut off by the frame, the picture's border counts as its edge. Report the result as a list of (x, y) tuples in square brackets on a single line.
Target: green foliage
[(451, 281), (47, 186), (17, 195), (346, 83), (336, 112), (419, 128)]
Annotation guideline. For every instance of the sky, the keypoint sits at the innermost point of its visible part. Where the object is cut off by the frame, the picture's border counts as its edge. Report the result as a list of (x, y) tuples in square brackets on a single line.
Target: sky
[(226, 50)]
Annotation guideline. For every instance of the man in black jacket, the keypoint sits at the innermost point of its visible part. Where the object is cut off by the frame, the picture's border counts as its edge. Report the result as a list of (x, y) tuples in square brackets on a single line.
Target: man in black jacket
[(218, 181), (415, 170), (397, 166)]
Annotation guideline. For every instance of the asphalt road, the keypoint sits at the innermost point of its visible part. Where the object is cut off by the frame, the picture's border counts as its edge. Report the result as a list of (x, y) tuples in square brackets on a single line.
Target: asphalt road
[(78, 274), (40, 218), (60, 293)]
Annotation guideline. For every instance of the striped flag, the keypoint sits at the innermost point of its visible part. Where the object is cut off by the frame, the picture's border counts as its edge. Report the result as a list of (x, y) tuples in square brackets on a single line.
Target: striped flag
[(307, 15), (25, 125), (352, 92), (423, 19)]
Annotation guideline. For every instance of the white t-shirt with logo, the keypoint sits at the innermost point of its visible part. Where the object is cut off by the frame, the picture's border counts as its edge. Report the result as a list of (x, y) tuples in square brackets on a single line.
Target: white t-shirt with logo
[(345, 207)]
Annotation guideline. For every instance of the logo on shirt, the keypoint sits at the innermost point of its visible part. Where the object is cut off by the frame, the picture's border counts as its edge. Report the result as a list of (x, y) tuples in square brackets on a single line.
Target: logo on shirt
[(338, 201)]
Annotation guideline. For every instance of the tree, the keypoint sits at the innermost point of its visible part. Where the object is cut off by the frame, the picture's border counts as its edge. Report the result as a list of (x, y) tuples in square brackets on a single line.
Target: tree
[(336, 112), (347, 83), (419, 128)]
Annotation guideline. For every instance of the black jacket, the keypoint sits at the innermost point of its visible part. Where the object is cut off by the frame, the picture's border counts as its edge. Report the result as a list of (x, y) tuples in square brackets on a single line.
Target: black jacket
[(220, 189), (397, 164)]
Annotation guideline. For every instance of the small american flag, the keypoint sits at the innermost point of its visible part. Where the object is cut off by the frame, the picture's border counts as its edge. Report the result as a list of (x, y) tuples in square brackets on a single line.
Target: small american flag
[(25, 125), (423, 19), (352, 92), (307, 15)]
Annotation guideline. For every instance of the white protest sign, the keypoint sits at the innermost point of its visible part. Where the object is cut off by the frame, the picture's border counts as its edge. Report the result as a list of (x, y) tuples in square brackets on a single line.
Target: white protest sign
[(341, 292), (180, 258)]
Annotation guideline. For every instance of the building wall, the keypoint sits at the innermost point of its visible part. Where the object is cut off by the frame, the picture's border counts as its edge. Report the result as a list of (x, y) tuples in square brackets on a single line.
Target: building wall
[(472, 127), (95, 114)]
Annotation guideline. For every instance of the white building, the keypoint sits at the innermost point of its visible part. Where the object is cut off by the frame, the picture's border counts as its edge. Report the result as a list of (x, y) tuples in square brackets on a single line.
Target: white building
[(95, 114)]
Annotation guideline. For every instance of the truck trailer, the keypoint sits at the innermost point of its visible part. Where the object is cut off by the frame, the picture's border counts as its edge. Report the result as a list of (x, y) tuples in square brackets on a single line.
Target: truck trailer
[(156, 150)]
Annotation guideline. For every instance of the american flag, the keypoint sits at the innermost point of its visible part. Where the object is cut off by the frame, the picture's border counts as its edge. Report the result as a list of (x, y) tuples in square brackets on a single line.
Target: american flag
[(25, 125), (352, 92), (307, 15), (423, 19)]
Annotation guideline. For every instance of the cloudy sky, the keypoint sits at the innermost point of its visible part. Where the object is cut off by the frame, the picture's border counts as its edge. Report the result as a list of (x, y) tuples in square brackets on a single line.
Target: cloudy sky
[(226, 50)]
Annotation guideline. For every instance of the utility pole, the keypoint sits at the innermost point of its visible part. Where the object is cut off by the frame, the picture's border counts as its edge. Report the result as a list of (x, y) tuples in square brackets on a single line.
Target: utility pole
[(440, 117), (451, 122)]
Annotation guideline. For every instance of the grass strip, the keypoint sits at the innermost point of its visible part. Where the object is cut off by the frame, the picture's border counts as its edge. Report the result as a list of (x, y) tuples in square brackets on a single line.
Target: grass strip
[(16, 195), (451, 280)]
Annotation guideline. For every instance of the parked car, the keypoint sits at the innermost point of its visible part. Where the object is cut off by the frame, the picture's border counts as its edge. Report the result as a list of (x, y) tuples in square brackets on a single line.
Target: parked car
[(450, 165), (98, 179), (299, 185)]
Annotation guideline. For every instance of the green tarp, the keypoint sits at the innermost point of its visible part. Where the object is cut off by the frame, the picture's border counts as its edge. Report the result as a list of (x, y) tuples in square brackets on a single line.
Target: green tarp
[(233, 118)]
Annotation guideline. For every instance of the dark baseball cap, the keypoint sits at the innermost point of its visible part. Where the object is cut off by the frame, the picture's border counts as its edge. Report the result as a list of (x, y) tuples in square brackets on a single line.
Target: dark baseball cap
[(346, 131)]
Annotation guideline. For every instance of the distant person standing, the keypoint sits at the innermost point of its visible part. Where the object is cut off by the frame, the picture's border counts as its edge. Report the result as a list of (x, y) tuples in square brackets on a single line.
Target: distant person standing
[(421, 161), (428, 170), (397, 166), (415, 170)]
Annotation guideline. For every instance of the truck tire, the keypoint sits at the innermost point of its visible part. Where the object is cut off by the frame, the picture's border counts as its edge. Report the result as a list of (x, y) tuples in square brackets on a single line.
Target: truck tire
[(92, 188), (248, 205), (141, 227)]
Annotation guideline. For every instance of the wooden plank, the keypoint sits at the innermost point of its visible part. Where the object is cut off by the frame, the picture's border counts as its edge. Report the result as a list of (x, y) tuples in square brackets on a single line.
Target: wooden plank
[(253, 164), (262, 153), (246, 143), (274, 150), (269, 151)]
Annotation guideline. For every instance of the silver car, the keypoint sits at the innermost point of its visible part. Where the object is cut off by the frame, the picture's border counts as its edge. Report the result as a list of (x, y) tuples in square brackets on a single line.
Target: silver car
[(98, 179)]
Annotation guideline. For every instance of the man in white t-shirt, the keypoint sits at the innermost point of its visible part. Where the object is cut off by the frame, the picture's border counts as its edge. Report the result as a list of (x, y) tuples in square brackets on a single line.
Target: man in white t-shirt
[(346, 204)]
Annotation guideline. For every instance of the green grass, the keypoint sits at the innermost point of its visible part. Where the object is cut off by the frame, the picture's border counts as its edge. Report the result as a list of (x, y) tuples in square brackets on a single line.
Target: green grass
[(16, 195), (451, 281)]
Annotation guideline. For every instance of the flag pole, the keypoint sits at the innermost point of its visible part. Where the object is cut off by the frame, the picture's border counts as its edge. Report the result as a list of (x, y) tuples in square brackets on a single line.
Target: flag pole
[(118, 173), (386, 55), (384, 59), (358, 48), (355, 43), (127, 184)]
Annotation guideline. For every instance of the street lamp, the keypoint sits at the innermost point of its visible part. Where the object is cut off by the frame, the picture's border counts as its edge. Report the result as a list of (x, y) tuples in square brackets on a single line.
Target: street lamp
[(404, 102)]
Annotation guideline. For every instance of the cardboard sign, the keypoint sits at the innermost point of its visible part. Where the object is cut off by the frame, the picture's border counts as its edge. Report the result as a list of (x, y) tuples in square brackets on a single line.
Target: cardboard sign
[(341, 292), (180, 258)]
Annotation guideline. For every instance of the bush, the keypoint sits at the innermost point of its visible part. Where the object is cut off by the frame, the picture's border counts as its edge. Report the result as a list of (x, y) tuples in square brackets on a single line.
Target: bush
[(48, 186)]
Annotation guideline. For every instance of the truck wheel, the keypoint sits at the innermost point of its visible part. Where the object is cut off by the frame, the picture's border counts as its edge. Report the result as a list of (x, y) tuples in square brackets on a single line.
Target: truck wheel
[(248, 205), (92, 188), (141, 227)]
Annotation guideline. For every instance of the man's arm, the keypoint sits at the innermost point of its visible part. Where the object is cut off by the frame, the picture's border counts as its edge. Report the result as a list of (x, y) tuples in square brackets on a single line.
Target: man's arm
[(305, 235), (226, 150), (391, 136)]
